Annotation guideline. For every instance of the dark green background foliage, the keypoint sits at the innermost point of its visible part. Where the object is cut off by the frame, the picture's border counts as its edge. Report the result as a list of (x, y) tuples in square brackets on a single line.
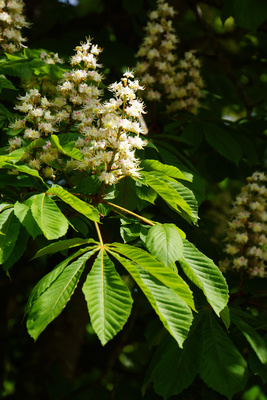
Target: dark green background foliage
[(221, 146)]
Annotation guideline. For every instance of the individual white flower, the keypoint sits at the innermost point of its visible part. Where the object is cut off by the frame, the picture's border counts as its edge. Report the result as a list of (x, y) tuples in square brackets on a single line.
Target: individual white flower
[(5, 17), (36, 112), (135, 108), (31, 134), (108, 177), (241, 237), (231, 249), (14, 143), (35, 164), (48, 172)]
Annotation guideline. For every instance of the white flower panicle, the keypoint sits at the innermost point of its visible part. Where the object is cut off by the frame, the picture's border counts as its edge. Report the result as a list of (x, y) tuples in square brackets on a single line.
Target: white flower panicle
[(12, 21), (161, 73), (51, 58), (246, 241), (108, 133)]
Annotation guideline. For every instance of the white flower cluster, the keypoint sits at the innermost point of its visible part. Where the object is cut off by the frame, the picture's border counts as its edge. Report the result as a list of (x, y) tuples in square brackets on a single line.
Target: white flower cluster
[(12, 21), (51, 58), (178, 82), (246, 241), (107, 132)]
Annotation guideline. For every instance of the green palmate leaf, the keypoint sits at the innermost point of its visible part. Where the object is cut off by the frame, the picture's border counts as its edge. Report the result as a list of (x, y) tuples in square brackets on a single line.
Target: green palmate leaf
[(126, 193), (69, 149), (10, 227), (225, 316), (206, 275), (164, 241), (24, 214), (12, 157), (248, 14), (52, 293), (85, 209), (18, 66), (256, 365), (257, 343), (22, 168), (63, 245), (88, 185), (27, 170), (192, 134), (8, 160), (164, 145), (19, 247), (168, 157), (5, 214), (34, 144), (156, 269), (18, 181), (169, 170), (248, 146), (172, 310), (6, 84), (5, 206), (108, 298), (222, 366), (52, 70), (146, 193), (174, 369), (131, 229), (198, 188), (49, 278), (6, 113), (21, 181), (190, 199), (80, 224), (224, 143), (162, 185), (48, 216)]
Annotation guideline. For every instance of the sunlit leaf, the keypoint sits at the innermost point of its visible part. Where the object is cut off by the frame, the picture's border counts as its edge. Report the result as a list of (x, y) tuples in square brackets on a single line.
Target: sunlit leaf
[(77, 204), (206, 275), (69, 149), (169, 170), (63, 245), (155, 268), (24, 214), (48, 216), (162, 185), (52, 294), (171, 309), (164, 241), (108, 298)]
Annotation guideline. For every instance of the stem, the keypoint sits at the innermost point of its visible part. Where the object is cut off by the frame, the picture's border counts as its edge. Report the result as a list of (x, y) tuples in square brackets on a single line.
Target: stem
[(129, 212), (99, 234)]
